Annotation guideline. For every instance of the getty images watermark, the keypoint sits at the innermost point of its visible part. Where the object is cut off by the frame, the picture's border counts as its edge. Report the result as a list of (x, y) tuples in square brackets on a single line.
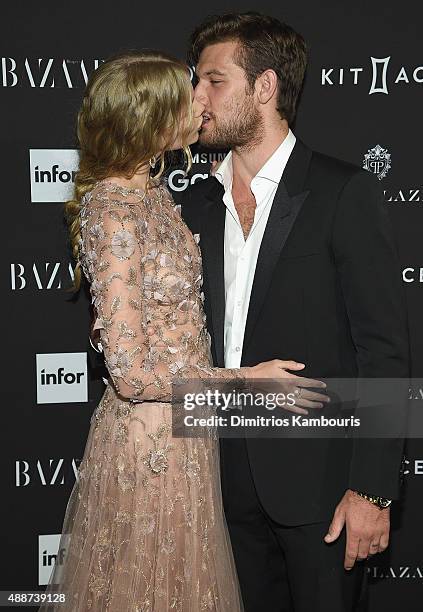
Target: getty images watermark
[(343, 408), (241, 400)]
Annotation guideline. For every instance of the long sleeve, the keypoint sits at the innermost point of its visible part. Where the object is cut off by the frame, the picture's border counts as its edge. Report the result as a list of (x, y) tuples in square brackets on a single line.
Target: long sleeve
[(149, 315), (369, 273)]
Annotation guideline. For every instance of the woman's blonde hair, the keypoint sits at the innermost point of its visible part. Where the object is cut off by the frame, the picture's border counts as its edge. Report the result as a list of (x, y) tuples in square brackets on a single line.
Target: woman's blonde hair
[(133, 108)]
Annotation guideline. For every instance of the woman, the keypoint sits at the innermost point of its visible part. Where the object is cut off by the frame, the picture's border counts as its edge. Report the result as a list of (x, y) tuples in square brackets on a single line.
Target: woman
[(145, 518)]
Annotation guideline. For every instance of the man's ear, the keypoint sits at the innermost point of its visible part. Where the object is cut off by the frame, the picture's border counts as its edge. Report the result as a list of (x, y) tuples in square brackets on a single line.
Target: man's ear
[(266, 86)]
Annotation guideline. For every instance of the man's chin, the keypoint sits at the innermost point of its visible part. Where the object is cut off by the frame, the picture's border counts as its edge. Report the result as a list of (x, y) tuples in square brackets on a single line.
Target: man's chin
[(204, 139), (207, 141)]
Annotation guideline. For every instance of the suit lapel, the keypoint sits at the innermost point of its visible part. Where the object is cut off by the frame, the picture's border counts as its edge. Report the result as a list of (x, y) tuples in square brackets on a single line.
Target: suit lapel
[(286, 205), (212, 251)]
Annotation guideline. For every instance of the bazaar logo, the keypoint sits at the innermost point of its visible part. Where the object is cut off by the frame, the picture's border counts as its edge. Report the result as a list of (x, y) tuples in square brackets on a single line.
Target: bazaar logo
[(378, 161), (45, 276), (381, 75), (50, 72), (46, 472), (399, 572), (403, 195)]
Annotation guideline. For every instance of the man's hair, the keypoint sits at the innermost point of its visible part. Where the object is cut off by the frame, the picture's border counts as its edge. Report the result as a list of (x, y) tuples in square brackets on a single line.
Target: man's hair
[(264, 43)]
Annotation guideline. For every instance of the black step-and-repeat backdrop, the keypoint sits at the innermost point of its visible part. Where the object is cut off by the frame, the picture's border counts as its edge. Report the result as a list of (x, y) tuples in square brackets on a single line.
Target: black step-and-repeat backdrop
[(362, 102)]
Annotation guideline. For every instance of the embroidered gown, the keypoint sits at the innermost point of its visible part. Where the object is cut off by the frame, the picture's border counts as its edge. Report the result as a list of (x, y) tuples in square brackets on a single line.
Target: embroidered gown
[(145, 518)]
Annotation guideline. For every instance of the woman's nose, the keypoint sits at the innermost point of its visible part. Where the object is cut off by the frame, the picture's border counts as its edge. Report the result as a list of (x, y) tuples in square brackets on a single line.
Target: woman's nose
[(199, 95), (198, 107)]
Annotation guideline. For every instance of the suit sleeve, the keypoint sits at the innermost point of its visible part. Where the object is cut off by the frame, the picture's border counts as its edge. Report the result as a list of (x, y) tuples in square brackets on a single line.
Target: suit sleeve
[(368, 268)]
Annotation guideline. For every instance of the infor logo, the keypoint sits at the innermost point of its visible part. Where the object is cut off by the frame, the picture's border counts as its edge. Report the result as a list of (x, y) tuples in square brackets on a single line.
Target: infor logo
[(52, 174), (61, 378)]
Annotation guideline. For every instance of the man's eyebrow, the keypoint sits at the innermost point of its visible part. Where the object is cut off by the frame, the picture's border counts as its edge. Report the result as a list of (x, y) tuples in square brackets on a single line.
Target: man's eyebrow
[(215, 72)]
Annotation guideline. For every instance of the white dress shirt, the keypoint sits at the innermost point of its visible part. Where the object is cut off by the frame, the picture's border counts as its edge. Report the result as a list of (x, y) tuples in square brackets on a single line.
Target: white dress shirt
[(240, 255)]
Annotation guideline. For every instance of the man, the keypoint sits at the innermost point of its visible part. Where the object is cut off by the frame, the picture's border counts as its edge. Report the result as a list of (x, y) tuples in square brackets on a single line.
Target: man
[(299, 263)]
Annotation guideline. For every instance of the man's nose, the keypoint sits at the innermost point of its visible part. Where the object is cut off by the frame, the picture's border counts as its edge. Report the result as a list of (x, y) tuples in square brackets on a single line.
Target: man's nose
[(200, 94)]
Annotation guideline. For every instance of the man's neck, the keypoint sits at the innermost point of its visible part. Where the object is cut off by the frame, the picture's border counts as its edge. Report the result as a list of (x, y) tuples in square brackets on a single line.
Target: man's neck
[(247, 162)]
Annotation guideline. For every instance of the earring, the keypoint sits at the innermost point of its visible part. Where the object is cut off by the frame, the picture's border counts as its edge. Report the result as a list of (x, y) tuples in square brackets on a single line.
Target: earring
[(152, 161)]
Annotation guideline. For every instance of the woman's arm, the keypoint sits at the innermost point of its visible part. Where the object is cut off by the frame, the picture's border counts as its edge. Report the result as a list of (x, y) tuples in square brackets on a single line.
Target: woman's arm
[(139, 370)]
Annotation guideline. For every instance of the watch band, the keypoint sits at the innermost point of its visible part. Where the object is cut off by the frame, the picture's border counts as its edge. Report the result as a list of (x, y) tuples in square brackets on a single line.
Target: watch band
[(380, 502)]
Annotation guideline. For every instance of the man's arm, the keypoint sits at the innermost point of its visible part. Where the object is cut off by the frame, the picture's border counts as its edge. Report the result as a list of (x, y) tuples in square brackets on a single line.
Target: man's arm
[(369, 274)]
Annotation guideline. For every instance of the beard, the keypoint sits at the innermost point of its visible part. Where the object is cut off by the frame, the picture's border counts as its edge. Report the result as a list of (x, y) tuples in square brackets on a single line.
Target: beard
[(241, 127)]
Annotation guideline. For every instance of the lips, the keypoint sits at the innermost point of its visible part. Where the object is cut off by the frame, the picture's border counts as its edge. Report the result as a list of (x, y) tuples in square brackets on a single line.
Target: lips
[(206, 119)]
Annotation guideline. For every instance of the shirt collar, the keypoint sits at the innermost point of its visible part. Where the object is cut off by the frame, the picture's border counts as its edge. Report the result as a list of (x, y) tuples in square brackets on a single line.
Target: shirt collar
[(272, 169), (275, 165), (224, 172)]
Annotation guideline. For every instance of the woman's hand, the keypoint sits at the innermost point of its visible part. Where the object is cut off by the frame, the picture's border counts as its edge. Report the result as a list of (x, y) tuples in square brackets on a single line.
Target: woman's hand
[(300, 387)]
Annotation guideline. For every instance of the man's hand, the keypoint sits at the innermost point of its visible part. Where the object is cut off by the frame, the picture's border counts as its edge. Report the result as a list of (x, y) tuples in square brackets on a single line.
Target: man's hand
[(367, 528), (291, 384)]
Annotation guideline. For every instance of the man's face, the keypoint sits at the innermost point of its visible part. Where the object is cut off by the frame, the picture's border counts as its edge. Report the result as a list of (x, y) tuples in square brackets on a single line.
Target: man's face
[(231, 117)]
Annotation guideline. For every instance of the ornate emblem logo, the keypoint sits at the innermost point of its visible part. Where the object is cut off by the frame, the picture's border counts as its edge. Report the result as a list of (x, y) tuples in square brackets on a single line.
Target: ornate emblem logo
[(378, 161)]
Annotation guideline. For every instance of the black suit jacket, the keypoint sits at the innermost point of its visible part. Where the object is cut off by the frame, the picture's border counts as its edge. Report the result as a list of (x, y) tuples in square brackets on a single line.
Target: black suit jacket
[(327, 292)]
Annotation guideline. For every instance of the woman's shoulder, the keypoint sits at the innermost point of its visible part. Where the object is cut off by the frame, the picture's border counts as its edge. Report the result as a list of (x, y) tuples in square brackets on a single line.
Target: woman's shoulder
[(106, 196), (109, 193)]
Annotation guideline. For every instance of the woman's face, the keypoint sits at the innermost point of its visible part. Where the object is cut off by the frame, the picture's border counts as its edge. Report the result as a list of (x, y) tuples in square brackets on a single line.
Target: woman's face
[(194, 127)]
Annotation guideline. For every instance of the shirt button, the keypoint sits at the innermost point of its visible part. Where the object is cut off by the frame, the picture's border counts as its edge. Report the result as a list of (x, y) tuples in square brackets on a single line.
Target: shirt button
[(238, 303), (237, 348)]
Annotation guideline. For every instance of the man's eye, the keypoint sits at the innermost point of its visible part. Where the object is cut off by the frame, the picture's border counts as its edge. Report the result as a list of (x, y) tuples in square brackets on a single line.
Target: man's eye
[(214, 82)]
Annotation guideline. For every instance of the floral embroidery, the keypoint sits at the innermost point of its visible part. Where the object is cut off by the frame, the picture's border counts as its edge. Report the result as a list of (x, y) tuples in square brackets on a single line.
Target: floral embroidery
[(145, 516), (97, 231), (168, 542), (147, 523), (158, 461), (123, 244), (120, 362)]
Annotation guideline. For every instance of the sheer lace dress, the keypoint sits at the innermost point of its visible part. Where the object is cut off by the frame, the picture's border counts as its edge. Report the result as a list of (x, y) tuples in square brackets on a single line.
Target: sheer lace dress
[(145, 520)]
